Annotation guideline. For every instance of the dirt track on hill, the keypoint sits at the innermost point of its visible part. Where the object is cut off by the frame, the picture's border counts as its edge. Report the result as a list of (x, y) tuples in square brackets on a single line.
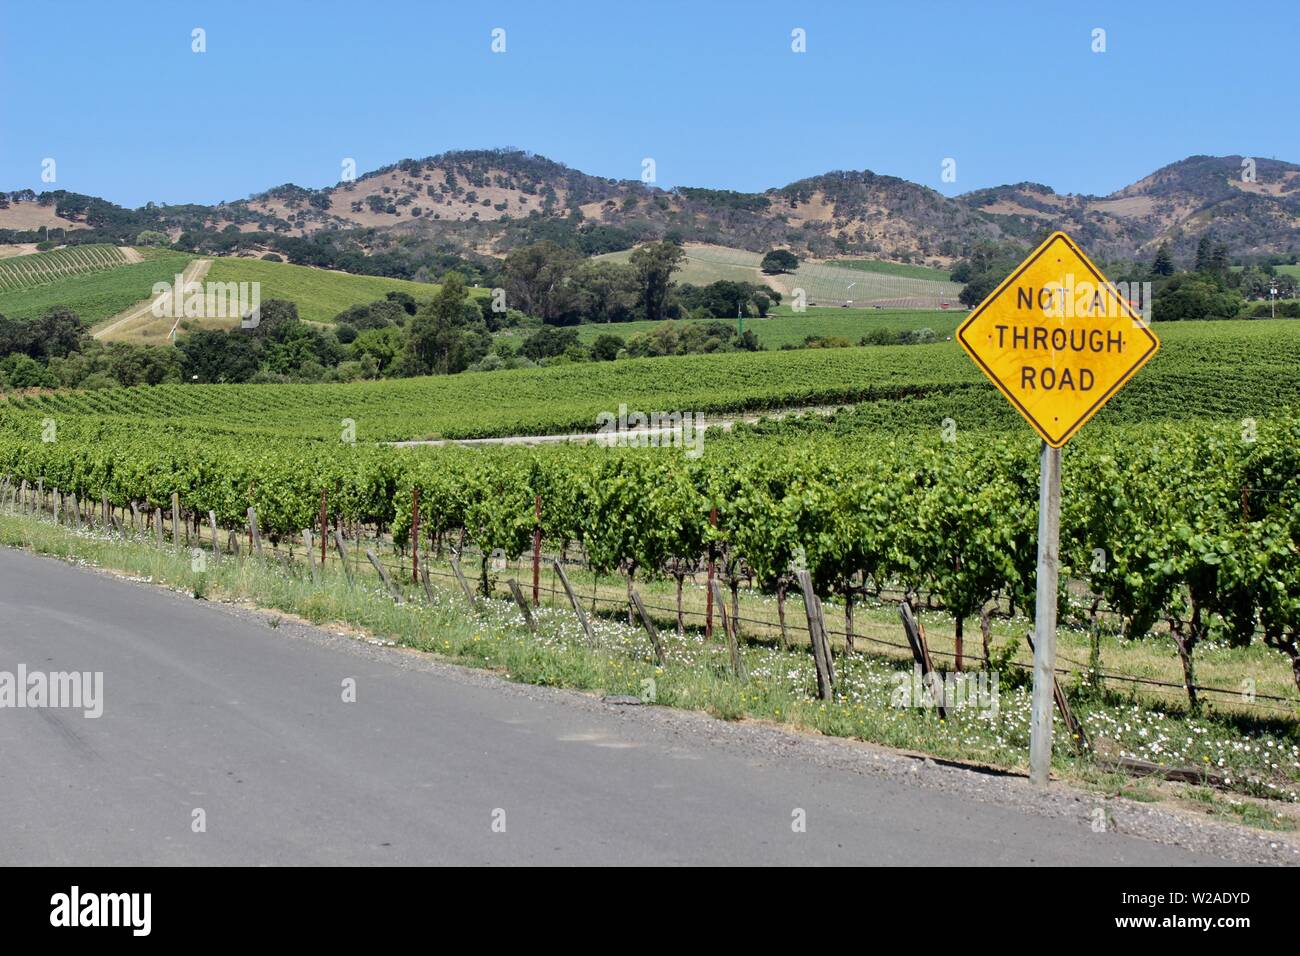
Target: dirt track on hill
[(123, 321)]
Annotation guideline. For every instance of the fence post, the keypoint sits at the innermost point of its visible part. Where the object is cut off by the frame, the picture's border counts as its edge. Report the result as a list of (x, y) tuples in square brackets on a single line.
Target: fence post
[(324, 527), (708, 597), (254, 532), (729, 629), (920, 650), (212, 523), (518, 593), (649, 626), (176, 521), (464, 584), (415, 535), (817, 634), (1078, 737), (383, 576), (311, 554), (537, 547), (575, 603), (343, 555), (424, 579)]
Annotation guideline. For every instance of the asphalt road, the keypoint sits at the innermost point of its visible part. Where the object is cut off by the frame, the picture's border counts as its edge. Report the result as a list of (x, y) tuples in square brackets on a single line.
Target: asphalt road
[(208, 707)]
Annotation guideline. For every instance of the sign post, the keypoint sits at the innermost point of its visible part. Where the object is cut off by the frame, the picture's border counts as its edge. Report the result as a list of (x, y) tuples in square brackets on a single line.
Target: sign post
[(1049, 545), (1058, 340)]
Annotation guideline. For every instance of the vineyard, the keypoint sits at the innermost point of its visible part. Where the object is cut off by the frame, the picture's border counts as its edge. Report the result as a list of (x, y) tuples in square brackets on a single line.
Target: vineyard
[(25, 272), (1205, 370), (789, 328), (1194, 529), (94, 296)]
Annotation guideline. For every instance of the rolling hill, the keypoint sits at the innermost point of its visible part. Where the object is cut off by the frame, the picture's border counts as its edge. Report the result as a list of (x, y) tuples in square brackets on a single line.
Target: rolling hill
[(485, 202)]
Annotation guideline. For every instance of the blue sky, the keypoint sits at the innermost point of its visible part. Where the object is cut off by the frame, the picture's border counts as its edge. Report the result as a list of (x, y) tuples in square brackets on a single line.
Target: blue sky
[(710, 90)]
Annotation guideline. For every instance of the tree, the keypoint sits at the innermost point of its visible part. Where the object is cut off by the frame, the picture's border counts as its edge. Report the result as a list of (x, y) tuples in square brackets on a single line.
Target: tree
[(447, 334), (537, 281), (22, 371), (1195, 295), (1164, 261), (976, 290), (548, 342), (606, 347), (605, 291), (779, 260), (655, 264), (212, 356), (1204, 252)]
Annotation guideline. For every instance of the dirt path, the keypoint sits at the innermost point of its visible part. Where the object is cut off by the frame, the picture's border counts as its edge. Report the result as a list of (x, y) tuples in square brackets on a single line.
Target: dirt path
[(124, 321), (631, 436)]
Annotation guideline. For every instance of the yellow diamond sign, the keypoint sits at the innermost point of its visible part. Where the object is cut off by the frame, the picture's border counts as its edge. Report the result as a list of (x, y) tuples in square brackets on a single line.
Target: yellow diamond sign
[(1057, 339)]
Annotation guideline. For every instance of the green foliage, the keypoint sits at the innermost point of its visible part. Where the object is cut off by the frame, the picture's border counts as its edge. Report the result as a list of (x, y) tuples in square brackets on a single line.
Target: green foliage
[(1196, 295), (778, 261)]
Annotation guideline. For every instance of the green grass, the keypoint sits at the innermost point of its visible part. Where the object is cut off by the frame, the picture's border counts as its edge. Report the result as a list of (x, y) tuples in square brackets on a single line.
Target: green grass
[(1293, 271), (785, 327), (893, 269), (98, 295), (320, 294)]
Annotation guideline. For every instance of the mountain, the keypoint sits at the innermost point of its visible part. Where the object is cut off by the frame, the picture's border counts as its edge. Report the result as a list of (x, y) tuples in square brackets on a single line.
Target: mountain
[(485, 202), (1177, 203)]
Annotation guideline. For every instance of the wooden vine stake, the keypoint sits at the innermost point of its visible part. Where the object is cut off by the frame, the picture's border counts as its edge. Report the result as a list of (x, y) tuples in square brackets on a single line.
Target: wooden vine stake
[(311, 555), (920, 650), (639, 606), (575, 603), (464, 584), (1078, 737), (383, 576), (518, 594), (343, 555), (729, 629), (415, 535), (817, 636), (253, 532)]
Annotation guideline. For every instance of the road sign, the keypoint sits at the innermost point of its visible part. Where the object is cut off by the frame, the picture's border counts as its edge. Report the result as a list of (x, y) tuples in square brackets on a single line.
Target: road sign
[(1057, 339)]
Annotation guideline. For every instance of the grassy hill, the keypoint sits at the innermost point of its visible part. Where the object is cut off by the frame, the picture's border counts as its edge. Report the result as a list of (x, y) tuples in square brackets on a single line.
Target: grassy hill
[(825, 283), (319, 293)]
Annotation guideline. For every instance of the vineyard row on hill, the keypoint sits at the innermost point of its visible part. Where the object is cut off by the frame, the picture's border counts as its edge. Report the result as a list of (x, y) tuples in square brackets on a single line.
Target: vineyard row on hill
[(1196, 528), (1217, 369)]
